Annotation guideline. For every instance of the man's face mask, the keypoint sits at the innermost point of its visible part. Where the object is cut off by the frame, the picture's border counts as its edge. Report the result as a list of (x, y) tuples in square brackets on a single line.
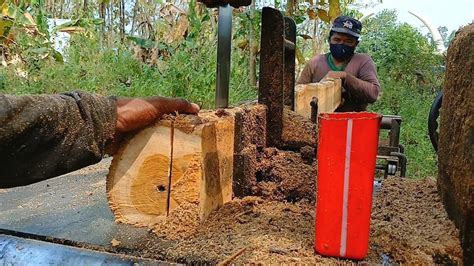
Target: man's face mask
[(341, 51)]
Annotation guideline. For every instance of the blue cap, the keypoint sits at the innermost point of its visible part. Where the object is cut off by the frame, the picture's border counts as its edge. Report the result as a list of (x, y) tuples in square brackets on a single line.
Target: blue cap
[(347, 25)]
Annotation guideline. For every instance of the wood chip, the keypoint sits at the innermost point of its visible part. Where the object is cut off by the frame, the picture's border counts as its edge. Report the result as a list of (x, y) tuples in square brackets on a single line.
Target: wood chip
[(232, 257), (115, 242)]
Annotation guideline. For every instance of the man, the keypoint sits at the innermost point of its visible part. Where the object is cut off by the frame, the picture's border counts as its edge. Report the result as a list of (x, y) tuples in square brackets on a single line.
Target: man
[(44, 136), (357, 71)]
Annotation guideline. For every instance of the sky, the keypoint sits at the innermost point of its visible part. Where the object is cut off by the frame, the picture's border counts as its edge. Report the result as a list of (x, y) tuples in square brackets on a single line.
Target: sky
[(450, 13)]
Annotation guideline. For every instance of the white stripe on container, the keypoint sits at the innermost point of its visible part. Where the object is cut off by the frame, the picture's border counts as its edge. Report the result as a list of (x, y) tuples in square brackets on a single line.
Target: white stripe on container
[(345, 197)]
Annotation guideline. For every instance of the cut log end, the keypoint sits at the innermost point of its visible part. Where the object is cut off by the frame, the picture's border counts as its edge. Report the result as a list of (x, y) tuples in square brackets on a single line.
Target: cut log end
[(184, 159)]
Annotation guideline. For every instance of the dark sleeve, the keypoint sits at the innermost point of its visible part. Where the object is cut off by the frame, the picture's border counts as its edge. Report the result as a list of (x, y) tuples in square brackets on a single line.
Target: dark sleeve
[(44, 136), (366, 86)]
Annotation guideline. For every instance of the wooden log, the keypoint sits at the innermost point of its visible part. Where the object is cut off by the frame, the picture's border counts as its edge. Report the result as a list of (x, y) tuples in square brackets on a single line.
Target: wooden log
[(179, 159), (456, 139), (328, 93)]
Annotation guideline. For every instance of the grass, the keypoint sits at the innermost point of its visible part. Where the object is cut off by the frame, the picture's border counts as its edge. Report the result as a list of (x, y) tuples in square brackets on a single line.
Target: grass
[(413, 106), (189, 72)]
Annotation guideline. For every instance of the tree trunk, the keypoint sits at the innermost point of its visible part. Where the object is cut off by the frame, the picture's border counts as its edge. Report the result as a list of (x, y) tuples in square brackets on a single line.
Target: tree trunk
[(85, 8), (290, 8), (102, 17), (122, 20), (134, 18), (61, 6), (253, 49), (316, 46)]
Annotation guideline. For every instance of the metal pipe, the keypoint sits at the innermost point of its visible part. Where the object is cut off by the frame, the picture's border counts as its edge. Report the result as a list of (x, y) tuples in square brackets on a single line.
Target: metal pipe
[(224, 38), (22, 251)]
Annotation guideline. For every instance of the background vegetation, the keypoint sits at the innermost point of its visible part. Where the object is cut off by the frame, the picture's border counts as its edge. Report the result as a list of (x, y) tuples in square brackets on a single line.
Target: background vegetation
[(141, 47)]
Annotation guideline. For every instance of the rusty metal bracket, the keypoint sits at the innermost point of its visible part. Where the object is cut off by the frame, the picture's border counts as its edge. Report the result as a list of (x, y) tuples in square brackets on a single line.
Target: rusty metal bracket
[(314, 109), (277, 69)]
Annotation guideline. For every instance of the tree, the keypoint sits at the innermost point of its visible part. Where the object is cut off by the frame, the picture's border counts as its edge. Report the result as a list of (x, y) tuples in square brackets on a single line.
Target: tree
[(399, 50)]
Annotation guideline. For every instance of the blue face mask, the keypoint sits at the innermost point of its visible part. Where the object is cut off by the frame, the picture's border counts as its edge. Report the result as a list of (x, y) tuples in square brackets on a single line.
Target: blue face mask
[(341, 51)]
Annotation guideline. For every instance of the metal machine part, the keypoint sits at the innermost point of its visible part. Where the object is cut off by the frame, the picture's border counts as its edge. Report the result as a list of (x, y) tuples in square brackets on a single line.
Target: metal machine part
[(433, 120), (28, 249), (224, 38), (390, 151)]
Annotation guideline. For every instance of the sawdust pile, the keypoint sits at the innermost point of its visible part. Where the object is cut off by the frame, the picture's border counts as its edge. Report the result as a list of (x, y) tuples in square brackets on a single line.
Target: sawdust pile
[(284, 175), (408, 225), (270, 232), (181, 222)]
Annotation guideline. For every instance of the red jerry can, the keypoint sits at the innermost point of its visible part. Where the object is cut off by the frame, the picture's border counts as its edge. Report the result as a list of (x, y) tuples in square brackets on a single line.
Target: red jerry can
[(347, 152)]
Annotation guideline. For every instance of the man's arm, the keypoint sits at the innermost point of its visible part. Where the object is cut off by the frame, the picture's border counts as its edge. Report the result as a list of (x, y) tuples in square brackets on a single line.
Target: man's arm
[(44, 136), (306, 74), (366, 87)]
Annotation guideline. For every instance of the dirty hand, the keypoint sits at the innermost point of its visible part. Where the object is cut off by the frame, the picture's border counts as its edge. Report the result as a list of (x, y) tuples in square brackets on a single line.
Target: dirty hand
[(233, 3), (336, 75), (135, 113)]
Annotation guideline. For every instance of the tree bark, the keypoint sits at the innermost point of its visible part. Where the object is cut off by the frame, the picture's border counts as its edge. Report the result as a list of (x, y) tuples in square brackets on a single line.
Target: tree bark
[(85, 7), (122, 20)]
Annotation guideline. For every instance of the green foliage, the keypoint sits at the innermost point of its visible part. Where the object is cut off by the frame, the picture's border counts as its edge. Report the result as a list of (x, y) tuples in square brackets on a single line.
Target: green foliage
[(413, 106), (400, 51), (409, 70), (188, 72)]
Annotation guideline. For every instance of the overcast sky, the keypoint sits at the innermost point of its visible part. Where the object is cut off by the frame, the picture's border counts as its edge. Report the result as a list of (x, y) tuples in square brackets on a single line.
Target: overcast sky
[(450, 13)]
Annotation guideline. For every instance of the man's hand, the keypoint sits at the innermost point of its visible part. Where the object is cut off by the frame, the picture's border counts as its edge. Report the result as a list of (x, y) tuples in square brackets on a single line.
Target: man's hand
[(336, 75), (135, 113), (233, 3)]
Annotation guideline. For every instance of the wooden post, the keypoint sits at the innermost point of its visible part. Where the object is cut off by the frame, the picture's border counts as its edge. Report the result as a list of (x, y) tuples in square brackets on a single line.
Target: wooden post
[(186, 159)]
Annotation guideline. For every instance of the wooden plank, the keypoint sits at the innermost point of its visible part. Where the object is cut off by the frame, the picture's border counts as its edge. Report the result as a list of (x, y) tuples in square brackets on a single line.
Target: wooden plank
[(328, 93)]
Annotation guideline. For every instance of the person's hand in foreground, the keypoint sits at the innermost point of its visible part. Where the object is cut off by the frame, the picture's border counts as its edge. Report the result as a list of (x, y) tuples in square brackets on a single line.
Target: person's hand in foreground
[(135, 113)]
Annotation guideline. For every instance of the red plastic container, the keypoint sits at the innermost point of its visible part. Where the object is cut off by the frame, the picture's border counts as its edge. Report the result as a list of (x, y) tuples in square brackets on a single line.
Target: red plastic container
[(347, 152)]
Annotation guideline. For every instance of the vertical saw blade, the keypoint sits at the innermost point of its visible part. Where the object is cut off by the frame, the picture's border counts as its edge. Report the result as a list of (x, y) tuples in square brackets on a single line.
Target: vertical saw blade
[(224, 38)]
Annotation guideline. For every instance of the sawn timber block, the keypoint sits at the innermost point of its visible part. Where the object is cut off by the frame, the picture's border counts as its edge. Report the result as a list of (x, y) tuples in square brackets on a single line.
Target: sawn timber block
[(183, 159), (328, 92)]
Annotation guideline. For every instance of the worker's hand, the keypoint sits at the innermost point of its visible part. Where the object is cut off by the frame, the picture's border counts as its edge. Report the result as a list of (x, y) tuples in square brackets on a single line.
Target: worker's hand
[(135, 113), (336, 75), (233, 3)]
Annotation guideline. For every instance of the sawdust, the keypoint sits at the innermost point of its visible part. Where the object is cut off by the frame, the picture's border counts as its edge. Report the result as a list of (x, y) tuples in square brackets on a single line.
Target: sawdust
[(284, 175), (180, 223), (408, 225)]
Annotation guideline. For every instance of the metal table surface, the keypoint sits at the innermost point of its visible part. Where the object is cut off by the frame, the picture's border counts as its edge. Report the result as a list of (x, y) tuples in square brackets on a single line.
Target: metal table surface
[(72, 207)]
